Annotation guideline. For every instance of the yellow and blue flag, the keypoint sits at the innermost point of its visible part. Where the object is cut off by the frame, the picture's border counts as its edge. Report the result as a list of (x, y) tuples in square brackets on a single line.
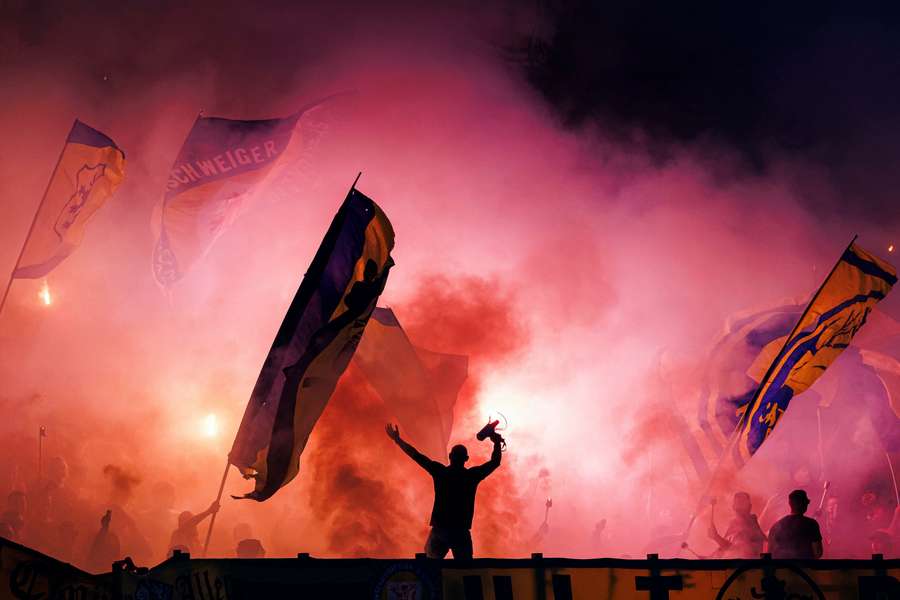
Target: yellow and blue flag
[(835, 314), (740, 357), (418, 386), (314, 344), (90, 169)]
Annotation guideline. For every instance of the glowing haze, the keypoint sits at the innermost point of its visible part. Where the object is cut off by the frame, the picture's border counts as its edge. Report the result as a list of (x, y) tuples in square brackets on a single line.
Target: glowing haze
[(567, 263)]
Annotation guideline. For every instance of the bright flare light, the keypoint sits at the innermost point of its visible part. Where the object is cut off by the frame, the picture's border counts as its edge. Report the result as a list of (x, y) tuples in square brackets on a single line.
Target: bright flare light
[(891, 248), (46, 298), (210, 426)]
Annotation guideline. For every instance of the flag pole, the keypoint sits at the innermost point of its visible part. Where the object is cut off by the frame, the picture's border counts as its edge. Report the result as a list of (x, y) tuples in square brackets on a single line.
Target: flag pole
[(34, 221), (42, 433), (212, 520), (887, 455), (821, 446), (750, 405)]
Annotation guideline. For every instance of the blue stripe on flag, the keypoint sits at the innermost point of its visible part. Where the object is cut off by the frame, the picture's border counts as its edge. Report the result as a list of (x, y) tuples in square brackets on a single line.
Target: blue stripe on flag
[(84, 134), (868, 267)]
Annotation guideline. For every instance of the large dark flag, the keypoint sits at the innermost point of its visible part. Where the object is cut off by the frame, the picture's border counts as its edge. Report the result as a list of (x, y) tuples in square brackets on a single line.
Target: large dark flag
[(314, 344), (418, 386), (219, 164)]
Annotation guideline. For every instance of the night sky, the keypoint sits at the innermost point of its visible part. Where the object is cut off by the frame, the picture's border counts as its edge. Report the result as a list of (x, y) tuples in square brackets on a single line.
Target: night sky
[(818, 81)]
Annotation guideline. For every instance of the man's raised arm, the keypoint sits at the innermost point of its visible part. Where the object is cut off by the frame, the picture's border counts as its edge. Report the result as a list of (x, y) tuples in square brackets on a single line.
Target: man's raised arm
[(423, 461), (491, 465), (198, 518)]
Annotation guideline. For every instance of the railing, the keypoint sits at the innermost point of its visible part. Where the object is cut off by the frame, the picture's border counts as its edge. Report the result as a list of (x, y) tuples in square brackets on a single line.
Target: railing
[(29, 574)]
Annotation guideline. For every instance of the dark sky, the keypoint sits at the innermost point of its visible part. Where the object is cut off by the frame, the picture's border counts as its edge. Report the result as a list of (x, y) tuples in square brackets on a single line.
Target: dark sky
[(801, 79), (814, 80)]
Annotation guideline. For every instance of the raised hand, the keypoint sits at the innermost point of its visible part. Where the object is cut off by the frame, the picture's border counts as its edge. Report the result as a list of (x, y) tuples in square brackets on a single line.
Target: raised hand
[(392, 431)]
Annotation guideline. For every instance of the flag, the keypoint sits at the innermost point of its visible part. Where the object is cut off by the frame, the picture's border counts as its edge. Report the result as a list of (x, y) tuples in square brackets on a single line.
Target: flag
[(738, 361), (837, 311), (219, 163), (726, 386), (89, 170), (447, 373), (418, 386), (884, 408), (314, 344)]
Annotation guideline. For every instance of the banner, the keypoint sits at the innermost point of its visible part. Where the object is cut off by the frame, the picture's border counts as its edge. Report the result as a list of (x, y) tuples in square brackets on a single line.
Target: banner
[(837, 311), (418, 386), (315, 343), (89, 170), (537, 578), (219, 163)]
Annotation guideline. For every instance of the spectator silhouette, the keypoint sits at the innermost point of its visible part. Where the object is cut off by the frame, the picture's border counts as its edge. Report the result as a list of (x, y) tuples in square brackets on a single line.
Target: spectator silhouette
[(882, 543), (250, 548), (796, 535), (598, 537), (241, 531), (6, 531), (454, 495), (105, 548), (743, 538), (14, 515), (51, 498), (186, 534)]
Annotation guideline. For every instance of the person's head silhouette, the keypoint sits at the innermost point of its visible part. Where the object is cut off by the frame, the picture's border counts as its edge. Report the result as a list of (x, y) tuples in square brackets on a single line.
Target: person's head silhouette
[(799, 501), (742, 504), (458, 455), (184, 518)]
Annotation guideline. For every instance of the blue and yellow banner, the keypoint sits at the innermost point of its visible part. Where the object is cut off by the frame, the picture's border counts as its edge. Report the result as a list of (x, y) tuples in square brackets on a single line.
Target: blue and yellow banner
[(418, 386), (314, 344), (220, 162), (90, 169), (835, 314)]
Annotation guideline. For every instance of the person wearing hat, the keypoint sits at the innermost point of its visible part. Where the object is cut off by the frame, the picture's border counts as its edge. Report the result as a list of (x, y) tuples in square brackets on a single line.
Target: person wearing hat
[(796, 535)]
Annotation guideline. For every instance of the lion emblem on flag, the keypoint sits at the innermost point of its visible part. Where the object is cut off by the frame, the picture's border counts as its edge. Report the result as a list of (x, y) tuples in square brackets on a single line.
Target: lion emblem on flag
[(85, 180)]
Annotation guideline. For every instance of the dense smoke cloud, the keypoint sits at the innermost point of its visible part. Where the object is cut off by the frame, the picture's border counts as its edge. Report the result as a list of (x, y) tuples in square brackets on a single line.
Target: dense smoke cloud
[(584, 272)]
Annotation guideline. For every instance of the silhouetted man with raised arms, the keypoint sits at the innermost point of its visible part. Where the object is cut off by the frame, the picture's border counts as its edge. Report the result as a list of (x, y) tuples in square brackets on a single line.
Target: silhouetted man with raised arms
[(454, 495)]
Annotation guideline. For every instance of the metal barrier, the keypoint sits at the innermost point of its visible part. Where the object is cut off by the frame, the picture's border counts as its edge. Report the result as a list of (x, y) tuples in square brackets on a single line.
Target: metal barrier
[(27, 574)]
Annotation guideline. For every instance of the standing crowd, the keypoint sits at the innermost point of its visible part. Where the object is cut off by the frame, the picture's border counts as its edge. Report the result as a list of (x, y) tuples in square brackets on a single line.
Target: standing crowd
[(798, 536)]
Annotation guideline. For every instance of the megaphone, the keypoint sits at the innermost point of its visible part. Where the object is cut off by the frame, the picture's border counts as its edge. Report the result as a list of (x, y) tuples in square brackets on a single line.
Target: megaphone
[(487, 431)]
